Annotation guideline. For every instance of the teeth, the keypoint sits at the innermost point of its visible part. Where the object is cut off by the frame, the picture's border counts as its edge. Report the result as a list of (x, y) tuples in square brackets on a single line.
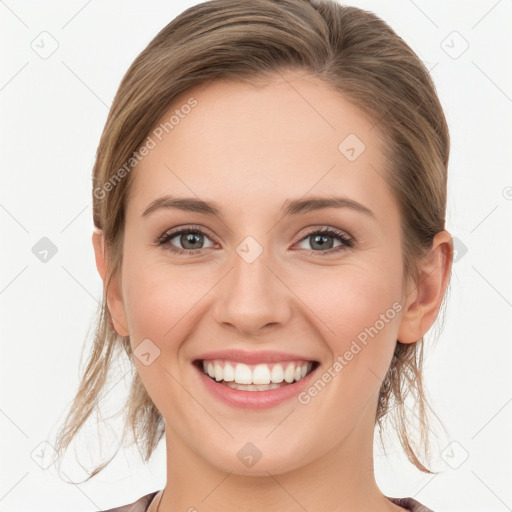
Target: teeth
[(258, 377), (211, 370), (277, 374), (289, 373), (229, 373), (261, 374), (219, 374), (243, 374)]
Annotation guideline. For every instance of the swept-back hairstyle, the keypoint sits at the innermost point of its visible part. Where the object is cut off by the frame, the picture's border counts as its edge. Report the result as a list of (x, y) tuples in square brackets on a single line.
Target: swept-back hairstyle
[(350, 49)]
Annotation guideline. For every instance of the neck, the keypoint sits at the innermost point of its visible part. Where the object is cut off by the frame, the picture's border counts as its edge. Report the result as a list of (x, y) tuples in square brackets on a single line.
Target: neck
[(340, 480)]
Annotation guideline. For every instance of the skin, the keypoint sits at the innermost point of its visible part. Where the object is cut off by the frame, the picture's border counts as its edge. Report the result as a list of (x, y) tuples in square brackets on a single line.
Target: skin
[(249, 148)]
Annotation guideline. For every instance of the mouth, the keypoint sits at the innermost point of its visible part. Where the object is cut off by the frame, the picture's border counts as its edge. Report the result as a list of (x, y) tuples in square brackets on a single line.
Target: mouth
[(255, 377)]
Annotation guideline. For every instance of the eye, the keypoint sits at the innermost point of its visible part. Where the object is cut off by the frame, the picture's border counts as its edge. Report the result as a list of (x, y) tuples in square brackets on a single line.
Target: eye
[(324, 239), (192, 240)]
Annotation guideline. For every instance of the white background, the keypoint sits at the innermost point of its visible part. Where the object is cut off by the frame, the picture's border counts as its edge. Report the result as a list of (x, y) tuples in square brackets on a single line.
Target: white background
[(52, 114)]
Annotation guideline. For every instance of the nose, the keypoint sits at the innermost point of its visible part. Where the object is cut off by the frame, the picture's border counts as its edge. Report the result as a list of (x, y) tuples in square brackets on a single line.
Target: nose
[(252, 298)]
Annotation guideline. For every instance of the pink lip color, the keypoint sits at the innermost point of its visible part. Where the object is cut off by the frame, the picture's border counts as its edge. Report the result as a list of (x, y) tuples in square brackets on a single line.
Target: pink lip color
[(254, 399), (241, 356)]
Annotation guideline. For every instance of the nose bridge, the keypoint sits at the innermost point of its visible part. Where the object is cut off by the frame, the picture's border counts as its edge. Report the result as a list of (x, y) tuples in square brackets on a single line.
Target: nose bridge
[(251, 275), (251, 296)]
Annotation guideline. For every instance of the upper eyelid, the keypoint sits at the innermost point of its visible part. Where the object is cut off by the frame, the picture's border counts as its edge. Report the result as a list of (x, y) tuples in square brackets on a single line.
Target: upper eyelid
[(171, 233), (177, 231)]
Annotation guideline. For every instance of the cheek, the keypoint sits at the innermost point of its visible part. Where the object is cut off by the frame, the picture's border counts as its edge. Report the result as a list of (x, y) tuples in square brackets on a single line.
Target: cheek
[(347, 300), (357, 309), (158, 295), (153, 306), (158, 306)]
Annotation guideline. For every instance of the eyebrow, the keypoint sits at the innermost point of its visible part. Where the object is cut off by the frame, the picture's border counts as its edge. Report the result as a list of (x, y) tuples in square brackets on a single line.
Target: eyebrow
[(290, 207)]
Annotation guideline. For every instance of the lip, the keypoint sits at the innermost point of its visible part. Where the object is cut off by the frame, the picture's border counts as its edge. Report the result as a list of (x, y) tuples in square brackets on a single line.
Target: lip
[(255, 400), (252, 357)]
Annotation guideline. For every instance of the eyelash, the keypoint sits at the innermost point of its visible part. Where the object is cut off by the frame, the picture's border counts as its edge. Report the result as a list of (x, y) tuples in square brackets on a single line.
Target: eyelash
[(346, 241)]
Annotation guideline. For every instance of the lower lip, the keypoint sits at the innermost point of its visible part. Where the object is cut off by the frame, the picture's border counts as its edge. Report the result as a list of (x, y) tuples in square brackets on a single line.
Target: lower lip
[(254, 399)]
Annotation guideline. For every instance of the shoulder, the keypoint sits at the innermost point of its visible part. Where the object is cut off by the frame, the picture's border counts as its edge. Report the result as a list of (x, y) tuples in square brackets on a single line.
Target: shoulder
[(141, 505), (410, 504)]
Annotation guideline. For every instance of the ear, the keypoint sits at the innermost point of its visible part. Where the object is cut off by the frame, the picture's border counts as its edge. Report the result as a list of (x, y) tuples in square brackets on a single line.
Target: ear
[(115, 303), (423, 300)]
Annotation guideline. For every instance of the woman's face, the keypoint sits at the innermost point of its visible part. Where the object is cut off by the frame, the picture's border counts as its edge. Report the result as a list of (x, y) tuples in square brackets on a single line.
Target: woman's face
[(263, 285)]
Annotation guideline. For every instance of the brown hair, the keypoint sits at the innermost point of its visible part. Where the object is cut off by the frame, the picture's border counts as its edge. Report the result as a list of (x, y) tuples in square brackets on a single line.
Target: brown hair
[(350, 49)]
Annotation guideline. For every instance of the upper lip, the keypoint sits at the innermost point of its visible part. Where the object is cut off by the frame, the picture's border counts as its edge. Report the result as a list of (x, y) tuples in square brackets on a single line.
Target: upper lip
[(252, 357)]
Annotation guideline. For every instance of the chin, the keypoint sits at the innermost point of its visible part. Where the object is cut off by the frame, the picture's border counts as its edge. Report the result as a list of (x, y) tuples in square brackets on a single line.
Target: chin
[(256, 458)]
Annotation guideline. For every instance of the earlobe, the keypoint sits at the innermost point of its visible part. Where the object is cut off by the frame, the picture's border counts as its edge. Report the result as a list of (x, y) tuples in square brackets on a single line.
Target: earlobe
[(423, 301), (114, 297)]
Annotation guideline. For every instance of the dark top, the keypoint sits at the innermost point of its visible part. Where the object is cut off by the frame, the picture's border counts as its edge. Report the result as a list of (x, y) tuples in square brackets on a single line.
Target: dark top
[(142, 504)]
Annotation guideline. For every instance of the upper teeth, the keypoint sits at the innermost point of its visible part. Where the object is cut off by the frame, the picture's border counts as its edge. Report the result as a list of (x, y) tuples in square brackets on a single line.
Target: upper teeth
[(256, 374)]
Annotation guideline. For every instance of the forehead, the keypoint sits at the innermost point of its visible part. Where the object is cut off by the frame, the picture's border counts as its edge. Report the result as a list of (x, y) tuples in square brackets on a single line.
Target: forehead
[(281, 136)]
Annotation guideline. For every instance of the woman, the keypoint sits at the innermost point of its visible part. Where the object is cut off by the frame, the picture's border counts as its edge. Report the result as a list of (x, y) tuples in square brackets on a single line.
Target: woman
[(269, 201)]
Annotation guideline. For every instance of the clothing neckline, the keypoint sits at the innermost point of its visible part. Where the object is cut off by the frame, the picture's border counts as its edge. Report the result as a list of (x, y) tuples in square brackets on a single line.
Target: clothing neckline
[(407, 503), (155, 502)]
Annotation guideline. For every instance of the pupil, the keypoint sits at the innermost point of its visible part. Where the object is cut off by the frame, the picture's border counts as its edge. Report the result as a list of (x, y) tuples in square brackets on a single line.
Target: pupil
[(190, 238), (322, 244), (322, 241)]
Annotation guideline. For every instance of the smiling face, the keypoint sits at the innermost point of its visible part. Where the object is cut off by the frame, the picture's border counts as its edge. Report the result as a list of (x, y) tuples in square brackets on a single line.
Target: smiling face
[(243, 265)]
